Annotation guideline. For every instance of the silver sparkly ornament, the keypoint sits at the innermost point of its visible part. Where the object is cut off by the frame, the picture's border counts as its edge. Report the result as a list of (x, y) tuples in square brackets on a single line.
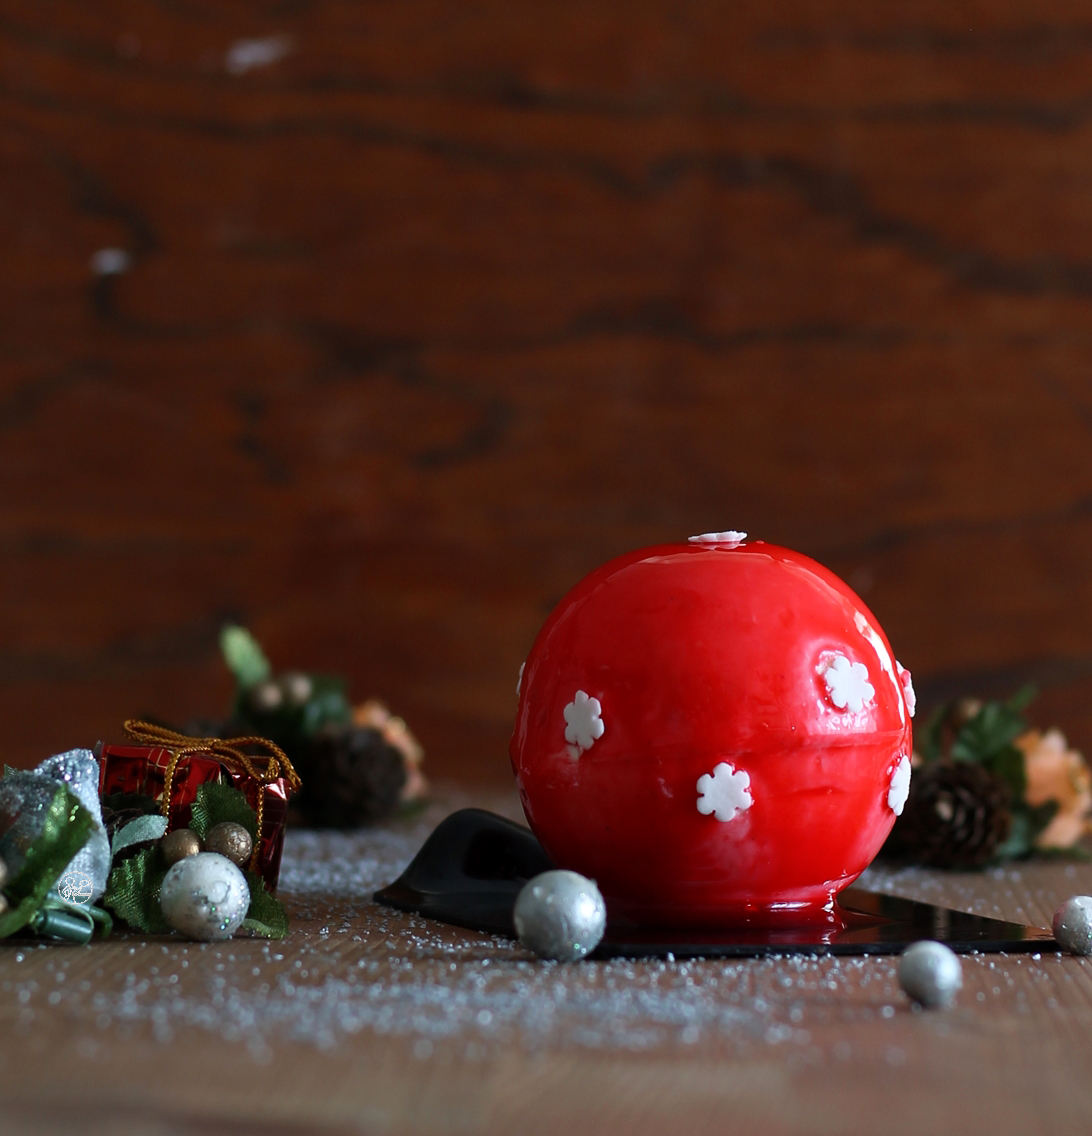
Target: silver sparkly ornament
[(26, 794), (205, 897), (560, 915), (930, 973), (1073, 925)]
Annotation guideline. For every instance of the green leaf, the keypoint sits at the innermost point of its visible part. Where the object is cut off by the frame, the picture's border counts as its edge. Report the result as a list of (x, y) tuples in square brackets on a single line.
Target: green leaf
[(266, 915), (328, 705), (132, 892), (991, 730), (244, 656), (138, 831), (1023, 698), (1008, 763), (1039, 816), (65, 829), (217, 802), (1019, 841)]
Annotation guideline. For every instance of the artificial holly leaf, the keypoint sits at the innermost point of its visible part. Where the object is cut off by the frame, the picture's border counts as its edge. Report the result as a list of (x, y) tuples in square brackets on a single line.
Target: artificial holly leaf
[(266, 915), (217, 802), (132, 892), (244, 656)]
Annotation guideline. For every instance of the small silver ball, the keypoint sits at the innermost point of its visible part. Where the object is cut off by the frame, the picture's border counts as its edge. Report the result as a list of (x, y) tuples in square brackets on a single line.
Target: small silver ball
[(265, 697), (930, 973), (297, 687), (231, 840), (1073, 925), (560, 915), (179, 844), (205, 897)]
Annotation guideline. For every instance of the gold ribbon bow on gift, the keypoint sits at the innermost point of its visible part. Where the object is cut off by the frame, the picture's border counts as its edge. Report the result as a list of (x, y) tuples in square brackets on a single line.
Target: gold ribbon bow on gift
[(229, 752)]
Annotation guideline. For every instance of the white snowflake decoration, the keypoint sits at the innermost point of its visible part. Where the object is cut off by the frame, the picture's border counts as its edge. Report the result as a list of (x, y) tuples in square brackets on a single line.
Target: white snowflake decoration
[(725, 792), (847, 683), (907, 688), (583, 721), (731, 538), (900, 786)]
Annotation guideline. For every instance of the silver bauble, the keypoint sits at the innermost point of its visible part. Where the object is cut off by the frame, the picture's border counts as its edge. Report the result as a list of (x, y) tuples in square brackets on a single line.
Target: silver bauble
[(204, 896), (296, 686), (1073, 925), (26, 794), (560, 915), (930, 973)]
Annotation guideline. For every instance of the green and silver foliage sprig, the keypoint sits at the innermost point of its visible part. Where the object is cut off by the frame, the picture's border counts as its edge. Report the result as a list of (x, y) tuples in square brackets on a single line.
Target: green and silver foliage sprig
[(32, 898), (968, 803), (55, 852)]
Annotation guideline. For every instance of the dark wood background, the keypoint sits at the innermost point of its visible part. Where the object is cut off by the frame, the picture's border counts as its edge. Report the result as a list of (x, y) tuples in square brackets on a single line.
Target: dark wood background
[(454, 301)]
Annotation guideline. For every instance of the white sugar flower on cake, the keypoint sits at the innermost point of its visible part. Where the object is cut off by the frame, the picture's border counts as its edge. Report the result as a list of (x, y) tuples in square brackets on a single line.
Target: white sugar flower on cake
[(583, 721), (899, 789), (907, 688), (847, 683), (731, 538), (725, 792)]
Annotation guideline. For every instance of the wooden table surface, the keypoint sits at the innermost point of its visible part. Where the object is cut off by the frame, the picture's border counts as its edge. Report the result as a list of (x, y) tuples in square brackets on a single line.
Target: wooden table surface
[(366, 1020)]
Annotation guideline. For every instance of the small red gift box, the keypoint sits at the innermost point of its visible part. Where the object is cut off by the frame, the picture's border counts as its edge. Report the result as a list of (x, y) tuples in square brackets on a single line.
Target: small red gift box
[(187, 764)]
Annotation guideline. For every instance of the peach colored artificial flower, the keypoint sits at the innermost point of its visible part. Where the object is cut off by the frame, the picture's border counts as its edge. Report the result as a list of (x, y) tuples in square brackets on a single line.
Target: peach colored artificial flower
[(1057, 773), (397, 734)]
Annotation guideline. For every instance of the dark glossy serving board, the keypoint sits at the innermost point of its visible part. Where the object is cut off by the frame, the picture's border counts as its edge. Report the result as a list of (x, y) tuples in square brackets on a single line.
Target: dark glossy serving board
[(474, 864)]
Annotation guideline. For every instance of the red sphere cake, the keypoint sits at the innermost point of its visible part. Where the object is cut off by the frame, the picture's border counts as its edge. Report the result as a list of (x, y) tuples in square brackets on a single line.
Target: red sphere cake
[(716, 732)]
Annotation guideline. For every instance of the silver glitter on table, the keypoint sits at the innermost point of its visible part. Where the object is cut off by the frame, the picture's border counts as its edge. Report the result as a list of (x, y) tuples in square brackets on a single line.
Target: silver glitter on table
[(351, 969)]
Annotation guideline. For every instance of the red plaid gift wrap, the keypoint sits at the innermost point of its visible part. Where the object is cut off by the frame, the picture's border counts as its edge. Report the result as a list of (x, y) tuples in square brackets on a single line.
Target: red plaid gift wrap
[(189, 763)]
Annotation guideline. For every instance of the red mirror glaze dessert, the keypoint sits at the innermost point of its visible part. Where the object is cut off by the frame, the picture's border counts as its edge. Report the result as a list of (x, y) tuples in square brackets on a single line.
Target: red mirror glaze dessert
[(716, 732)]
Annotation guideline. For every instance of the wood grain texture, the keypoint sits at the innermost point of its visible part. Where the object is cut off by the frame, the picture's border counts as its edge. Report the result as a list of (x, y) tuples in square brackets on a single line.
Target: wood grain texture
[(451, 303), (132, 1036)]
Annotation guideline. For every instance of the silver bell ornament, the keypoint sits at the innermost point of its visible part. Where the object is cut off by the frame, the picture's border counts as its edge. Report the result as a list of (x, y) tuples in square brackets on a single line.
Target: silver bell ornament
[(25, 795), (560, 915)]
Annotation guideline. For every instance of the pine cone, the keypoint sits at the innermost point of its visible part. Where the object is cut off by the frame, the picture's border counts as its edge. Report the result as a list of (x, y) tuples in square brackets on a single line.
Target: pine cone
[(351, 777), (956, 816)]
